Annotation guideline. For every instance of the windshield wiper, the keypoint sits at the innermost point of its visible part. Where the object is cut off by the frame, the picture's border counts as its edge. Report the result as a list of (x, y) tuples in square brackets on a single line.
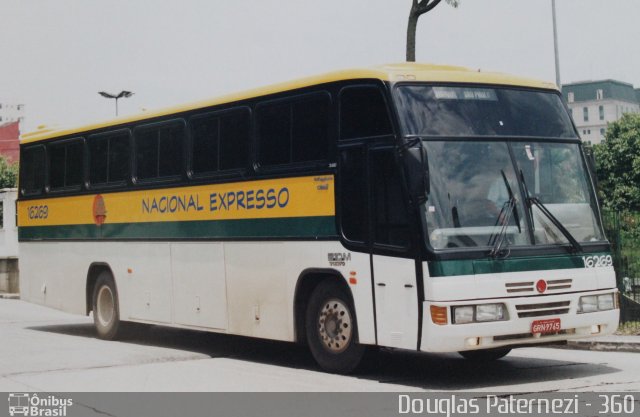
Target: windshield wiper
[(508, 207), (512, 200), (534, 200)]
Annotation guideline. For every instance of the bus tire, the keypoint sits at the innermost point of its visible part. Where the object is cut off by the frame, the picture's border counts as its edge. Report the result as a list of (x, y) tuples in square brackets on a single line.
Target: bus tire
[(106, 312), (484, 355), (331, 329)]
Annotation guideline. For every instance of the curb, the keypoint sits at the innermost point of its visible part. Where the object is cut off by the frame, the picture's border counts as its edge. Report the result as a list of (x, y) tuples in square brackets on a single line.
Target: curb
[(9, 296), (602, 346)]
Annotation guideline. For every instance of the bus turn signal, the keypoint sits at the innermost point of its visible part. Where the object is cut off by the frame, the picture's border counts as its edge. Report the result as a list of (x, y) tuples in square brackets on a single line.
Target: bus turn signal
[(439, 315)]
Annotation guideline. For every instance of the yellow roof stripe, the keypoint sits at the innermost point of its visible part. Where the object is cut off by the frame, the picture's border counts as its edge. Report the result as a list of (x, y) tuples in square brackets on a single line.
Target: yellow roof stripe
[(392, 73)]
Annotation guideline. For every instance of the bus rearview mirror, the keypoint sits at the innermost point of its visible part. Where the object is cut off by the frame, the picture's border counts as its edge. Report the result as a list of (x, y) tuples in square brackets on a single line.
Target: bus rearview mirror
[(417, 166)]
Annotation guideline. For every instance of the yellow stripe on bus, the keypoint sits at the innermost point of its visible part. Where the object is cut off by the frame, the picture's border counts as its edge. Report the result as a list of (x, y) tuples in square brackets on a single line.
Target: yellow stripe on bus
[(278, 198)]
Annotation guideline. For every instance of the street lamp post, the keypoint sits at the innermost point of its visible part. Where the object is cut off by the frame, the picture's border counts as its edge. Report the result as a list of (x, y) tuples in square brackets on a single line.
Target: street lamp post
[(122, 94), (555, 43)]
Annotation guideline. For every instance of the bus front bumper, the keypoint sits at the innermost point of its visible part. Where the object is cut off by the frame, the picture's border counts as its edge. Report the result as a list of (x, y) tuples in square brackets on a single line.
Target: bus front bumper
[(515, 330)]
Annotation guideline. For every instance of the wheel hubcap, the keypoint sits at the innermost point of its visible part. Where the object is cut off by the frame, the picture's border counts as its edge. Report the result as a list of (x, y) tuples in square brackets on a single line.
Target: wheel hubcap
[(334, 326), (105, 306)]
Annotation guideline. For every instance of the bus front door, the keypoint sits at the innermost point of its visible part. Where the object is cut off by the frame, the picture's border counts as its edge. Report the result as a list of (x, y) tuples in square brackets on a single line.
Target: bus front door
[(394, 272), (396, 301)]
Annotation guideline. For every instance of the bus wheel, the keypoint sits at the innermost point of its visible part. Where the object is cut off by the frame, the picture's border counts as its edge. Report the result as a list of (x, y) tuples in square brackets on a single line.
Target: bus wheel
[(485, 354), (331, 329), (106, 315)]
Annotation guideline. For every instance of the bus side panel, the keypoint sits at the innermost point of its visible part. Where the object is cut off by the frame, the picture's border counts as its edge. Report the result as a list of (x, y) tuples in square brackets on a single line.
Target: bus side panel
[(256, 289), (261, 284), (147, 283), (199, 284), (54, 274), (257, 281)]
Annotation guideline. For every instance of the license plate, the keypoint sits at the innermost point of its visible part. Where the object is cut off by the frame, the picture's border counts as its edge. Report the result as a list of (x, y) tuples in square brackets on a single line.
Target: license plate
[(545, 326)]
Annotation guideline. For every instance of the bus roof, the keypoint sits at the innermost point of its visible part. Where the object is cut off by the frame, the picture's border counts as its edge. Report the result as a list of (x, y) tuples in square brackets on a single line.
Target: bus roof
[(392, 73)]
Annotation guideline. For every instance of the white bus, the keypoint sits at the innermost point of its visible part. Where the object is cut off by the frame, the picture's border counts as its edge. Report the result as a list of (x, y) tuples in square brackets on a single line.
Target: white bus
[(420, 207)]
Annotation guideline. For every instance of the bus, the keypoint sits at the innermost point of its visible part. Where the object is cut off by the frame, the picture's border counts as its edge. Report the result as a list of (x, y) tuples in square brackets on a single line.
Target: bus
[(421, 207)]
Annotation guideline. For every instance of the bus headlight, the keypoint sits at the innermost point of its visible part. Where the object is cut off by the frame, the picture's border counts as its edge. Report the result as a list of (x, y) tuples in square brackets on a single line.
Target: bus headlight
[(463, 315), (593, 303), (588, 304), (605, 302), (479, 313), (490, 312)]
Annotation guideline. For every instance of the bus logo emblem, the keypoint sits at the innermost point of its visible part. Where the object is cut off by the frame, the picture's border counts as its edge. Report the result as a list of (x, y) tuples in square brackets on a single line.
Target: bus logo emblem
[(541, 286), (99, 210), (338, 259)]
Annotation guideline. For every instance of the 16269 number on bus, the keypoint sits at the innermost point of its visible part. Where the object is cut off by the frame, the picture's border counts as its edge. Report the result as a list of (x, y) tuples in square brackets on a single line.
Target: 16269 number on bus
[(38, 212)]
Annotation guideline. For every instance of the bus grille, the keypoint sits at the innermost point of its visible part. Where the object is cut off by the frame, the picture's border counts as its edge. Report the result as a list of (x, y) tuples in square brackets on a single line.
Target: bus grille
[(543, 309), (529, 286)]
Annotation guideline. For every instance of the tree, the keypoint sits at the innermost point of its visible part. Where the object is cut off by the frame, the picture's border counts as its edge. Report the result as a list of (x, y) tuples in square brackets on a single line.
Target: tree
[(8, 173), (618, 164), (418, 8), (8, 179)]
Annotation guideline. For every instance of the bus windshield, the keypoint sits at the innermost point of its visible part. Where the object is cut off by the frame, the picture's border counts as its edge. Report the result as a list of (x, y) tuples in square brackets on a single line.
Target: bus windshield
[(473, 111), (475, 193), (486, 166)]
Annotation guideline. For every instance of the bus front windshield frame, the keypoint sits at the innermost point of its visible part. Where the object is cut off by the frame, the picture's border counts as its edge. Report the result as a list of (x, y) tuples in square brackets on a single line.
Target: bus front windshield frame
[(482, 184)]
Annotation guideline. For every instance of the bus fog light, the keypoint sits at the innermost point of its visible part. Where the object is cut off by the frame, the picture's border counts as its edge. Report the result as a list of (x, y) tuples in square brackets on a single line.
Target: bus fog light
[(595, 329), (463, 314), (473, 341), (588, 304), (490, 312), (605, 302)]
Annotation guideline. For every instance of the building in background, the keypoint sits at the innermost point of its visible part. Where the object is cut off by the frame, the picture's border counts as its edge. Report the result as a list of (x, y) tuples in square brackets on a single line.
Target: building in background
[(10, 140), (594, 104), (11, 112)]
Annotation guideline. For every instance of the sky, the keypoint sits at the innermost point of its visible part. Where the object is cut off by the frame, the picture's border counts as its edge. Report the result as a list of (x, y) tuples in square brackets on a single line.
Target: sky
[(56, 55)]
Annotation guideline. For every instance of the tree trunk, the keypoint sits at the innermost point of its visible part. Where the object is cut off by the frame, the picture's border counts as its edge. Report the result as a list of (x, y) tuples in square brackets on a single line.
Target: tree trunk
[(418, 8), (411, 36)]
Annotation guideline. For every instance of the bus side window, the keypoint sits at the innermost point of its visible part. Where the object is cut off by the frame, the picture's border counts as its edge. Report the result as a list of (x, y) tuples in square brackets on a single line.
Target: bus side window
[(294, 130), (389, 206), (205, 133), (235, 136), (109, 158), (363, 113), (32, 166), (159, 150), (274, 121), (310, 130), (220, 141), (66, 164)]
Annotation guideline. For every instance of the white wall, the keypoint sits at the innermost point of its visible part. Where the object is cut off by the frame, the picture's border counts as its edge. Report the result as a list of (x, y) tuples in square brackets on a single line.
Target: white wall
[(9, 231)]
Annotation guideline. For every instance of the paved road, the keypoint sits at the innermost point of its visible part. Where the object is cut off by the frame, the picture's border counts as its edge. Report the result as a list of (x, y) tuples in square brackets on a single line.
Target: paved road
[(46, 350)]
